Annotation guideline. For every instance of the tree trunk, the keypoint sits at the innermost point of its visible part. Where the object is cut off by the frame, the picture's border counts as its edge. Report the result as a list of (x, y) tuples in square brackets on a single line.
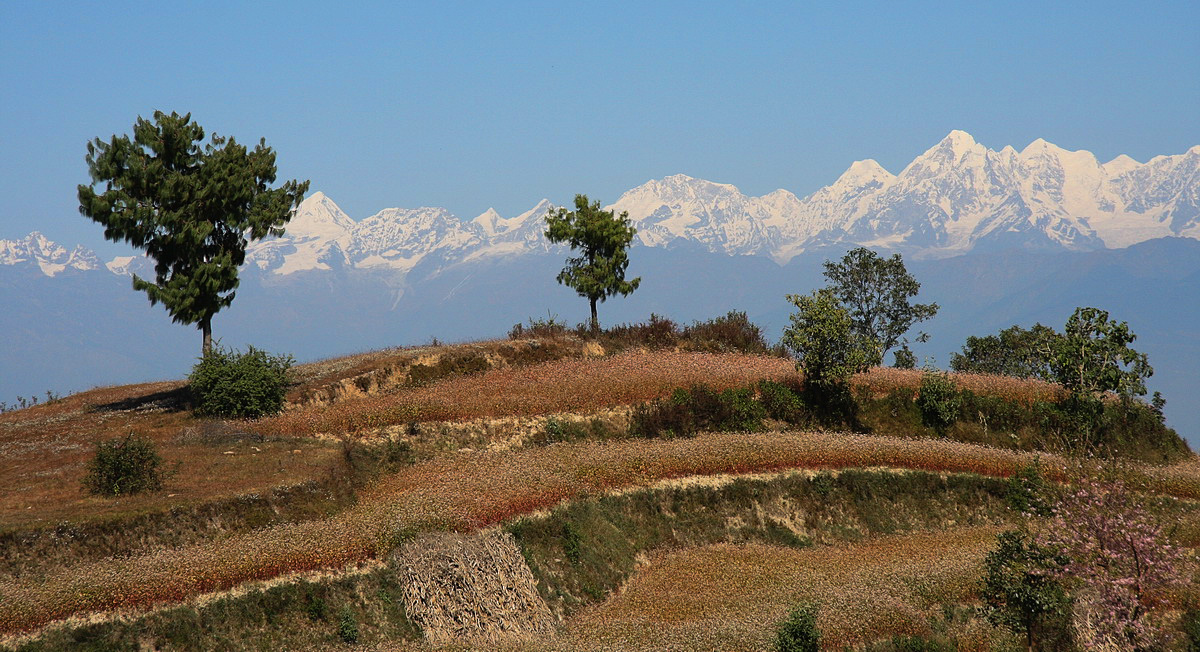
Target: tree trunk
[(595, 319), (206, 328)]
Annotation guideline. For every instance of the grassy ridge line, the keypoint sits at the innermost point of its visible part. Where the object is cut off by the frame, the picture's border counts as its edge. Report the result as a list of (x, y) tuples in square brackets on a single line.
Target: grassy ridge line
[(567, 385), (588, 384), (468, 493)]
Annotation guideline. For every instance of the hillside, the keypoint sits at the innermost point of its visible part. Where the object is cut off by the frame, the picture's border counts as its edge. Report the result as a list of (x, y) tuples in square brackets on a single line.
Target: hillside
[(580, 509)]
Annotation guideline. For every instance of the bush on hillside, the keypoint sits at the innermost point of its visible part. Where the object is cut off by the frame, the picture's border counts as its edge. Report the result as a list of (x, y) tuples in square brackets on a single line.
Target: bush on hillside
[(781, 402), (1029, 492), (227, 383), (799, 632), (732, 332), (348, 626), (657, 333), (1021, 593), (548, 327), (698, 408), (124, 466), (939, 400)]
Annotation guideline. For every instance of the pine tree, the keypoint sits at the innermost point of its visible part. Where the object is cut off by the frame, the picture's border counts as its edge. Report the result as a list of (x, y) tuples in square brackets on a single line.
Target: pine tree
[(192, 208), (599, 271)]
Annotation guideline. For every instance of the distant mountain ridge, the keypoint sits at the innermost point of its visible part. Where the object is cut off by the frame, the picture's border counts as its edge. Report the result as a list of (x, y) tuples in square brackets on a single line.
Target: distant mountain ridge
[(952, 199), (51, 258), (956, 197)]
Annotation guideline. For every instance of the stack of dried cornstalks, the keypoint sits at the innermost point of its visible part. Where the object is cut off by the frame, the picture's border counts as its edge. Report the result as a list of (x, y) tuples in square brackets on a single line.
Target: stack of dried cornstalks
[(460, 587)]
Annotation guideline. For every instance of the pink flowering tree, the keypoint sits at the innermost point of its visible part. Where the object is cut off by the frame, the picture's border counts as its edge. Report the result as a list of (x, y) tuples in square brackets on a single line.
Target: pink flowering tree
[(1119, 561)]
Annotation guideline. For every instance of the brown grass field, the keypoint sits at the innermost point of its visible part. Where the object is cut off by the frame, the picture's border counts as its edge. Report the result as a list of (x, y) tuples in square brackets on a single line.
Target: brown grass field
[(46, 448), (468, 492), (730, 597)]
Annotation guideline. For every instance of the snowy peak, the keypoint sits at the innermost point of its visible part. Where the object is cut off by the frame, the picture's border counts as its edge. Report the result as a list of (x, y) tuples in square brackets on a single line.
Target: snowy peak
[(487, 221), (318, 217), (863, 173), (958, 149)]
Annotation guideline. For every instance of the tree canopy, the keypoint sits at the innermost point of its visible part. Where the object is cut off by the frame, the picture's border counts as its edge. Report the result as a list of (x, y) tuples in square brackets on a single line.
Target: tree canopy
[(192, 208), (602, 239), (822, 336), (1014, 351), (1093, 355), (875, 292)]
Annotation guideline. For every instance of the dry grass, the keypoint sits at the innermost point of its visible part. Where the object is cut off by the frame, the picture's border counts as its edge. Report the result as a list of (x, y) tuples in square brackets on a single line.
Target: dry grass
[(585, 385), (729, 597), (477, 588), (466, 493), (881, 381), (571, 385), (46, 448)]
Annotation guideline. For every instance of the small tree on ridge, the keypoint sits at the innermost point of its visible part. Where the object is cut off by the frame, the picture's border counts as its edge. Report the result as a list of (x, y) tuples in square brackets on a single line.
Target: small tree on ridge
[(602, 238)]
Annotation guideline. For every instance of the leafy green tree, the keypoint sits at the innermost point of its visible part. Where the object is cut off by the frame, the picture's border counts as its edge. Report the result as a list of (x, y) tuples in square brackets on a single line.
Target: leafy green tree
[(602, 238), (1021, 593), (876, 292), (1093, 356), (1014, 351), (822, 336), (192, 208)]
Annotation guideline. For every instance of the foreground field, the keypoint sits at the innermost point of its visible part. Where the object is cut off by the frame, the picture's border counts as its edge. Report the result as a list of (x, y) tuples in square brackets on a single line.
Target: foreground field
[(468, 492), (729, 597), (291, 480)]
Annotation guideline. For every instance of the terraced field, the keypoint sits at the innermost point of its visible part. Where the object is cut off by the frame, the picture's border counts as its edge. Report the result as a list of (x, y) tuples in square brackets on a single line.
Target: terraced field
[(477, 470)]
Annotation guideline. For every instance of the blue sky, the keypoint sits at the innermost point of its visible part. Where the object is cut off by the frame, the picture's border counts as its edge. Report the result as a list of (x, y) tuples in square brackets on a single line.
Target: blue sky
[(477, 105)]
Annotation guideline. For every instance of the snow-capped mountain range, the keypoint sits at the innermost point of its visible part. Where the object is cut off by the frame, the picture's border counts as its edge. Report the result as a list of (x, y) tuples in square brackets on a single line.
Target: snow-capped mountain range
[(956, 197), (51, 258)]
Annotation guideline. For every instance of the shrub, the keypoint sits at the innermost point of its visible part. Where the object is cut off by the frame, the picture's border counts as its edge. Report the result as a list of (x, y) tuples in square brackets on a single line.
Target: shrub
[(124, 466), (780, 401), (226, 383), (1189, 621), (1022, 593), (741, 412), (1029, 492), (689, 411), (663, 418), (348, 626), (548, 327), (657, 333), (938, 400), (799, 632), (733, 332)]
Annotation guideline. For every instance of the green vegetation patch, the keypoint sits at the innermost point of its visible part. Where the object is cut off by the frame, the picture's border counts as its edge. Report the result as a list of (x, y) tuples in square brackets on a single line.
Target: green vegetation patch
[(364, 608), (583, 551)]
